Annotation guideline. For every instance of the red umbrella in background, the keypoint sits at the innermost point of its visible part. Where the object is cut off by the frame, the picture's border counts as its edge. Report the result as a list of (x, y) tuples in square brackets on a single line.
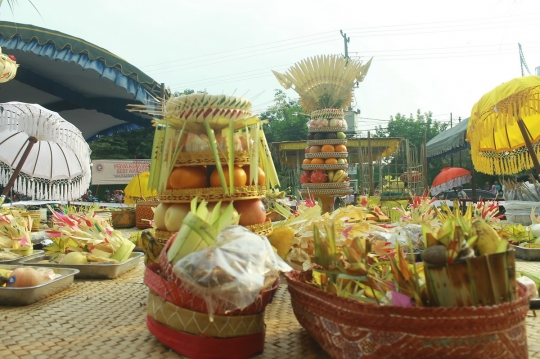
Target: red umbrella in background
[(449, 178)]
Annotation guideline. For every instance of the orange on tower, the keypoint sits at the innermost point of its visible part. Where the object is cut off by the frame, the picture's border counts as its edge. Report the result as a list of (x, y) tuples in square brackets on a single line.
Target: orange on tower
[(240, 177), (327, 148), (187, 177), (341, 148)]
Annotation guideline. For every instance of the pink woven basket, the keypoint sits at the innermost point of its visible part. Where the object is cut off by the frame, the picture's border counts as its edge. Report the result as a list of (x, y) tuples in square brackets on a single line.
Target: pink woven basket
[(347, 328)]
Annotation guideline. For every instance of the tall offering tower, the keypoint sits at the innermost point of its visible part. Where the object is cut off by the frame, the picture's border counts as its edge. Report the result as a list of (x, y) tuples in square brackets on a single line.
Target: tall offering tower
[(325, 85)]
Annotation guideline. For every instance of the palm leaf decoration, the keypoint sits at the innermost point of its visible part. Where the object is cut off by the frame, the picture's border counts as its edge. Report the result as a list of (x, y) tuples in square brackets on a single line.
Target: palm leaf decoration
[(324, 81)]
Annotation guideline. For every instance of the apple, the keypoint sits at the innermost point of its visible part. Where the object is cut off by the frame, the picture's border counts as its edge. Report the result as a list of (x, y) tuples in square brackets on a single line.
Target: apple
[(159, 215), (307, 149), (251, 211), (175, 216), (341, 161), (341, 135)]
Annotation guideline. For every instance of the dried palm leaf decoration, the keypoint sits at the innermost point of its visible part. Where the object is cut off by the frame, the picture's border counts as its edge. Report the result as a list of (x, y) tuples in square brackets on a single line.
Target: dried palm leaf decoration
[(324, 81)]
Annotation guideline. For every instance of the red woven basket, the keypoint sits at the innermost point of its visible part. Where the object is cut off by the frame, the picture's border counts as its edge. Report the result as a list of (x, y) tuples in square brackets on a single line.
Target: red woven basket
[(173, 294), (347, 328), (203, 347)]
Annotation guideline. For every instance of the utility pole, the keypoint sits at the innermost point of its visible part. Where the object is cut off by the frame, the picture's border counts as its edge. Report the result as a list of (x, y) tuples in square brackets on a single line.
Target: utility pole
[(452, 155), (459, 120), (346, 40)]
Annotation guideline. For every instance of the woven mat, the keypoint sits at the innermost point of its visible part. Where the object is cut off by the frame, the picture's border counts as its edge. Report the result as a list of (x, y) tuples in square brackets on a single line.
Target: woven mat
[(106, 319)]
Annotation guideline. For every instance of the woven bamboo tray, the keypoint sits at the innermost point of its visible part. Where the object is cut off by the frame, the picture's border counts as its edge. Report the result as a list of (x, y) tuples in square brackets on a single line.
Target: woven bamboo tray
[(326, 142), (339, 166), (327, 155), (329, 185), (124, 334), (333, 191), (327, 129)]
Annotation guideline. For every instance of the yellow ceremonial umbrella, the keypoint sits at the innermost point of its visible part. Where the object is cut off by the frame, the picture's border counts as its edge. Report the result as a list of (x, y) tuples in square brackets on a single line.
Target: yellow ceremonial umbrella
[(504, 128), (137, 189)]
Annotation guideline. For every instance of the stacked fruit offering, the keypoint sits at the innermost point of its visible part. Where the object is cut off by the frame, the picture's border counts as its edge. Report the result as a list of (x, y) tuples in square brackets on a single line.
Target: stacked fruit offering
[(325, 162), (215, 158)]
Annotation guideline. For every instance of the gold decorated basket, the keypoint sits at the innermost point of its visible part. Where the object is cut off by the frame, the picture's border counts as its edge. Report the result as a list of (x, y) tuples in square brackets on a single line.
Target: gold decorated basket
[(262, 229), (207, 158), (211, 194)]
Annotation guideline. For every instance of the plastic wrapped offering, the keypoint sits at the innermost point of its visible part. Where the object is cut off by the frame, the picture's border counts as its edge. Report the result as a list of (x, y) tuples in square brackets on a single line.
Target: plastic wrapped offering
[(233, 271)]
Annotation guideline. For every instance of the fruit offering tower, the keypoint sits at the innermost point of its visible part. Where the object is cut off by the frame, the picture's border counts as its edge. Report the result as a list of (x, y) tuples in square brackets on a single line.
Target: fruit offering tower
[(325, 85), (212, 148)]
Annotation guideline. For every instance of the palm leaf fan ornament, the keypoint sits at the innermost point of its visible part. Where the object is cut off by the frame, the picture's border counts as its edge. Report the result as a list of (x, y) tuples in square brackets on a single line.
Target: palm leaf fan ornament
[(324, 81)]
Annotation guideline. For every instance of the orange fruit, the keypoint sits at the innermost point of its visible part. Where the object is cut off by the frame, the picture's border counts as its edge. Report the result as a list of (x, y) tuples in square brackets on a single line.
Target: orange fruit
[(341, 148), (317, 161), (307, 161), (330, 161), (314, 149), (327, 148), (261, 175), (240, 177), (187, 177)]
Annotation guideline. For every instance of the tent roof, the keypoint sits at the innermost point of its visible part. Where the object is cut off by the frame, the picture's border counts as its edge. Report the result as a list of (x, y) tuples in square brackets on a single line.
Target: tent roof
[(451, 140), (86, 84)]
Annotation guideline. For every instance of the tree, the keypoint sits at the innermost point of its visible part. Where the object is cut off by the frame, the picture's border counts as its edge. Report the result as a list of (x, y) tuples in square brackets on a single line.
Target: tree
[(413, 129), (124, 145), (287, 121)]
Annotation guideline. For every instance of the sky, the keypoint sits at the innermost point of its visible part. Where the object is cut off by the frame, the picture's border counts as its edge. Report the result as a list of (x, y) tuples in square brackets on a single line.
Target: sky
[(432, 56)]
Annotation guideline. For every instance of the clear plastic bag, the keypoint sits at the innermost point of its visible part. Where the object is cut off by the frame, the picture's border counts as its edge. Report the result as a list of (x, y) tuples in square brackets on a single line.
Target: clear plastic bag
[(196, 143), (232, 272)]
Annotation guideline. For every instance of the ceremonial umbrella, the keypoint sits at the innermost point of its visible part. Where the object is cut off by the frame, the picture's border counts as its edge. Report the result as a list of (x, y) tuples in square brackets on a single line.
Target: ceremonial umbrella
[(449, 178), (41, 154), (504, 128), (137, 189)]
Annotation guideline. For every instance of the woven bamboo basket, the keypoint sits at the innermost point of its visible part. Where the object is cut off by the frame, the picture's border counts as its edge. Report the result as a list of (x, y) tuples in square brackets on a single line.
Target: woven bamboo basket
[(36, 219), (346, 328), (144, 213), (180, 320), (124, 218)]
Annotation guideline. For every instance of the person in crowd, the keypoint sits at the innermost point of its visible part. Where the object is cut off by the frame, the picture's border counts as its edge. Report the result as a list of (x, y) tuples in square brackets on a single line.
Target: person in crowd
[(107, 195), (461, 193), (496, 188), (487, 186), (119, 196)]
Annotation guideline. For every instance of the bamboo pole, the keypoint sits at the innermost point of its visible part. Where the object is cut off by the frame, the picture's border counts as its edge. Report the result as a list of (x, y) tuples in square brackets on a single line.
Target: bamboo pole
[(31, 142), (529, 145)]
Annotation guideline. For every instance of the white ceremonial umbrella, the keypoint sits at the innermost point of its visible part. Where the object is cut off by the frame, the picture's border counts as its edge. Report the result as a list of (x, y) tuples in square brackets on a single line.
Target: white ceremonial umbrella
[(41, 154)]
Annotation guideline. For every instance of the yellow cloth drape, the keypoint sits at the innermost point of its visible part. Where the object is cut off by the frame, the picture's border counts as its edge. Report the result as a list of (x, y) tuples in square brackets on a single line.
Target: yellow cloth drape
[(497, 144)]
